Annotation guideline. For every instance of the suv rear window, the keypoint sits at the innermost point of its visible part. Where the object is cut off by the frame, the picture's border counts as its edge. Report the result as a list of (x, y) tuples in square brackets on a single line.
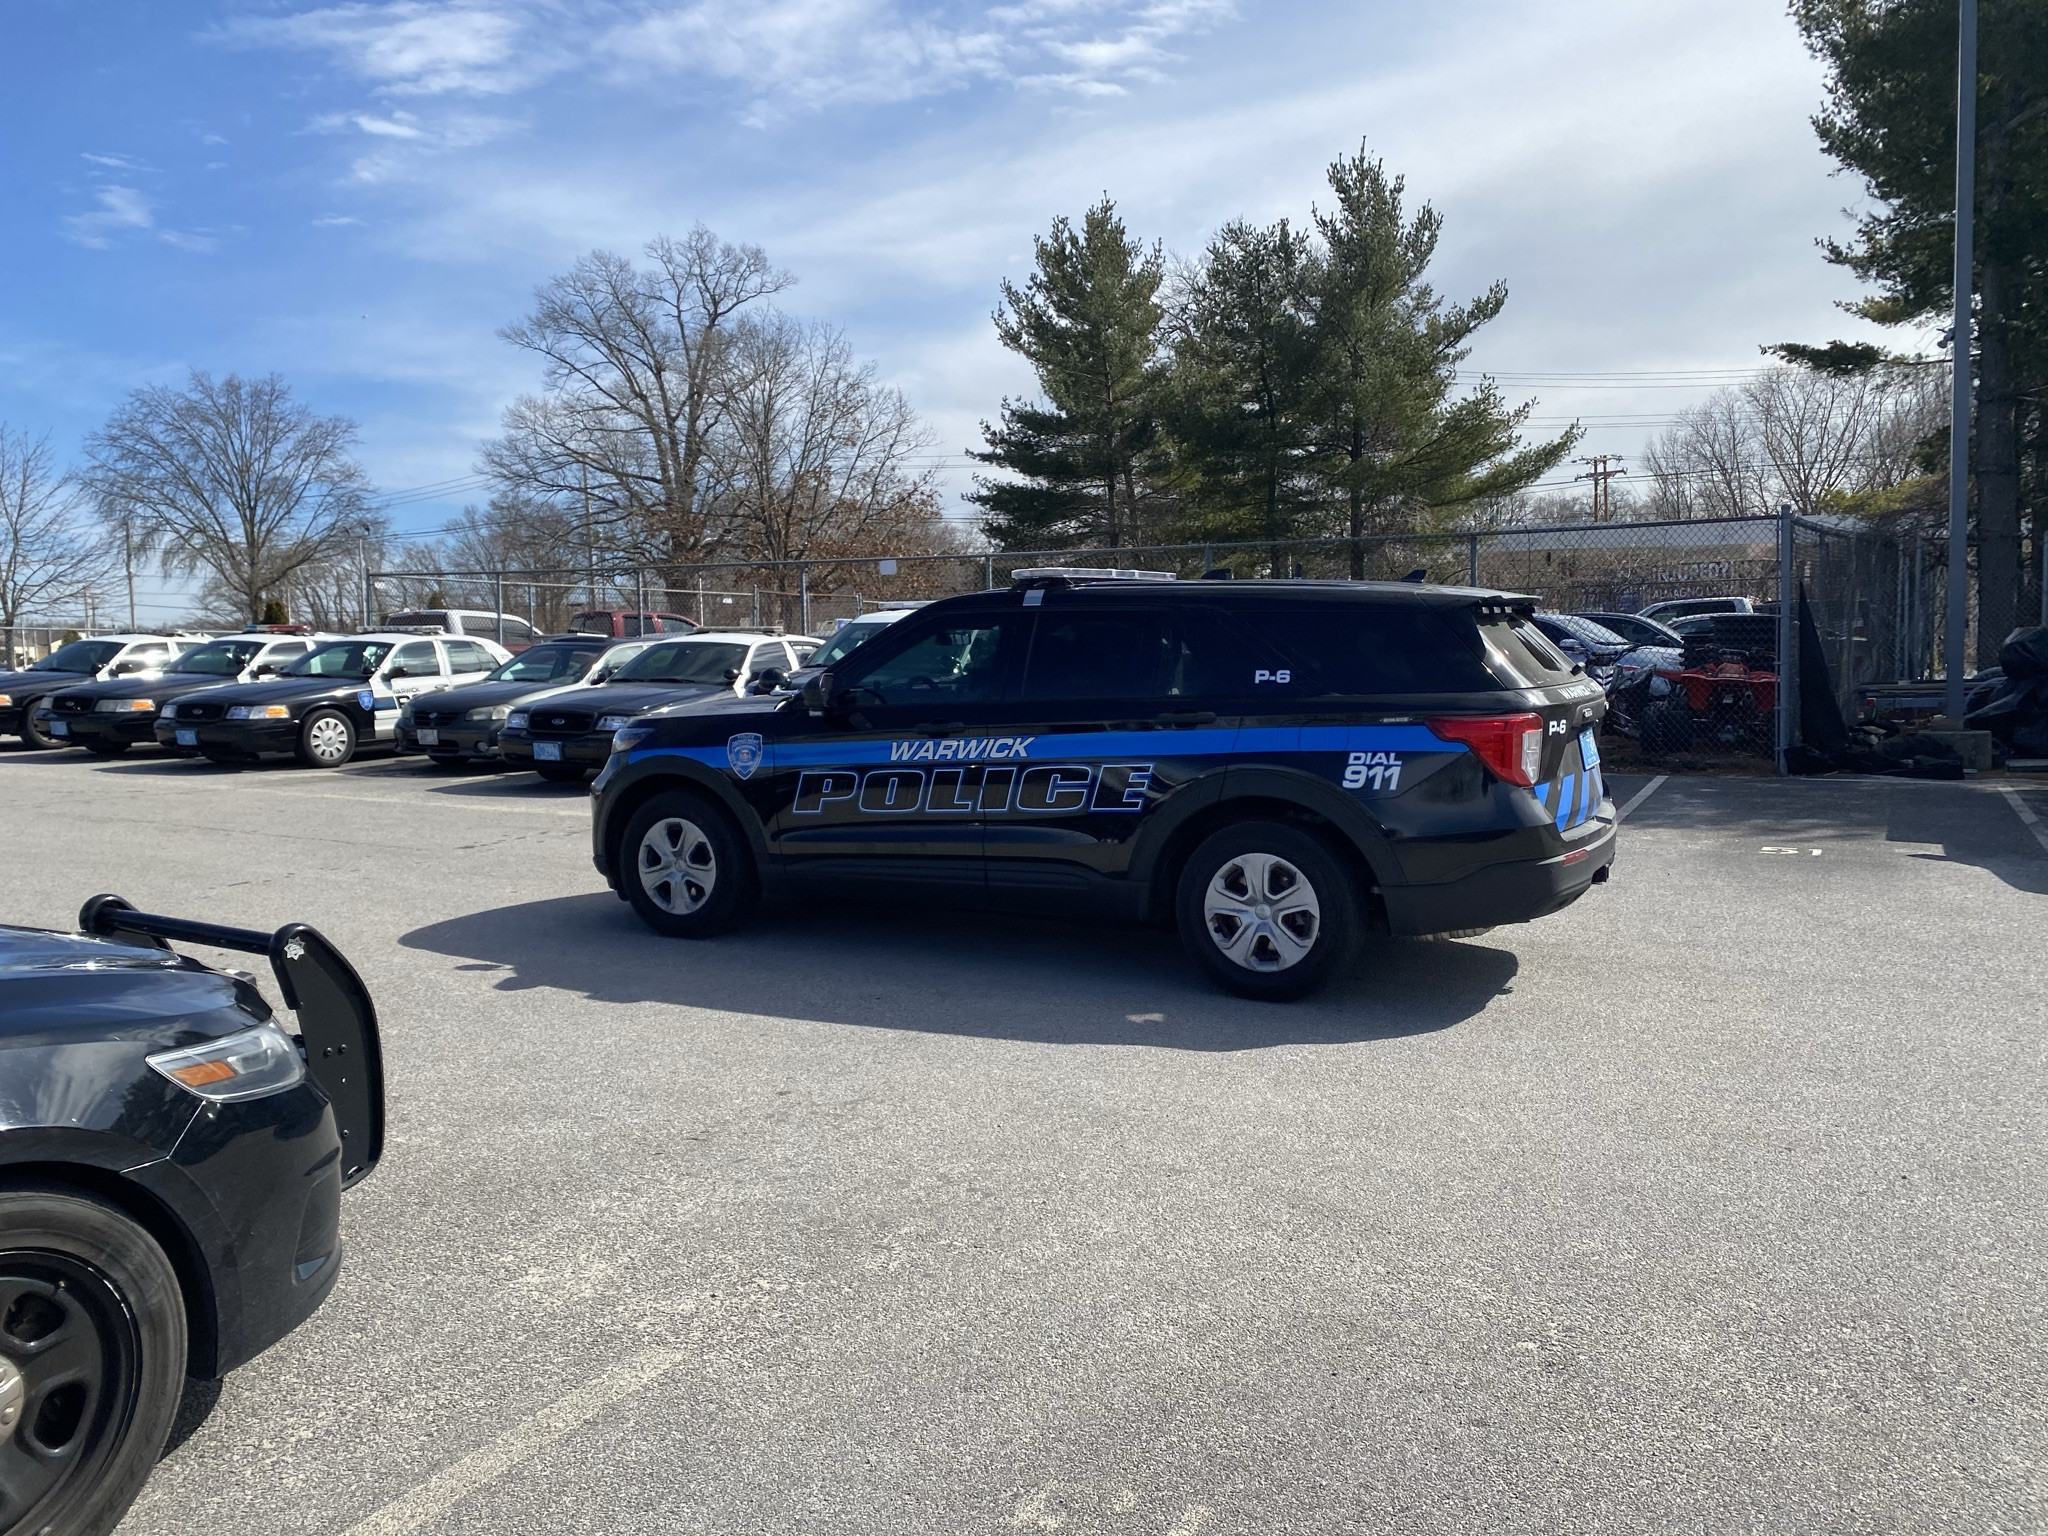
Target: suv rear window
[(1526, 653), (1364, 649)]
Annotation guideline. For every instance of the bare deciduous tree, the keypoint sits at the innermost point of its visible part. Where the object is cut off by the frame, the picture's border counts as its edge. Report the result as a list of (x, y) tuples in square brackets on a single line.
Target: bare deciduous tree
[(46, 557), (232, 478), (635, 364)]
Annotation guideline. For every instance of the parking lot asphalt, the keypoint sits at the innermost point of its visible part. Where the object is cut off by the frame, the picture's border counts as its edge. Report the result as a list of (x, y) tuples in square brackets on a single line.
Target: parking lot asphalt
[(1713, 1204)]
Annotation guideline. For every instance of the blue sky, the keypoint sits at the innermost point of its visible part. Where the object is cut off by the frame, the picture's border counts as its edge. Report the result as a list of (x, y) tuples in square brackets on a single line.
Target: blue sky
[(358, 195)]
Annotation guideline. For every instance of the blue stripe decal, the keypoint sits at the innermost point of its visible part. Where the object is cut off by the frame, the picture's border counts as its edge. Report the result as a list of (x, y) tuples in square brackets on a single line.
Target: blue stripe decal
[(1564, 799), (1585, 798)]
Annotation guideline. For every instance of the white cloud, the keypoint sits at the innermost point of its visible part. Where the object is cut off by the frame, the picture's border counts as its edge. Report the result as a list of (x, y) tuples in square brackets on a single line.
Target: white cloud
[(115, 162), (120, 208), (413, 47)]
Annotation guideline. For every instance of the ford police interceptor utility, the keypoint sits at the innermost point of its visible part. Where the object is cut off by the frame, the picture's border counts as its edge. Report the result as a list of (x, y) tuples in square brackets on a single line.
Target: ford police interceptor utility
[(1272, 766)]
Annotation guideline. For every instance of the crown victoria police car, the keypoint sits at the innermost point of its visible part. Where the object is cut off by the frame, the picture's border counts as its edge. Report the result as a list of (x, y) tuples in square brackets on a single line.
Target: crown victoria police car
[(1274, 767)]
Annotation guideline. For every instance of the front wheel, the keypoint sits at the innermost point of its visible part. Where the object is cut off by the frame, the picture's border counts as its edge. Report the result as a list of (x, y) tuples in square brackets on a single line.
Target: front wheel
[(32, 733), (686, 869), (92, 1360), (326, 740), (1267, 910)]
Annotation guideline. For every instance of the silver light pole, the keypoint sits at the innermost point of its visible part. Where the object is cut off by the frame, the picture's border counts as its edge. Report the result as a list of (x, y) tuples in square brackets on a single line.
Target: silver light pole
[(1959, 422)]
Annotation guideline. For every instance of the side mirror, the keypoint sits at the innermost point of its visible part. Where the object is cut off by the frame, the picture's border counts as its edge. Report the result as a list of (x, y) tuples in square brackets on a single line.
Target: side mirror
[(266, 669), (128, 668), (817, 693), (396, 674), (768, 679), (732, 674)]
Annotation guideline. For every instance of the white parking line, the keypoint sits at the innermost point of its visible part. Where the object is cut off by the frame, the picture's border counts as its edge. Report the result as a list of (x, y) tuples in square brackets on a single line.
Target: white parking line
[(1640, 796), (441, 1492), (2026, 815)]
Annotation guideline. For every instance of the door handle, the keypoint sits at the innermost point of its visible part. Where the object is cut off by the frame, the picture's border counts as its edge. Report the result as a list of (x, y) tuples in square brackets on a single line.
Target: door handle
[(941, 727), (1186, 717)]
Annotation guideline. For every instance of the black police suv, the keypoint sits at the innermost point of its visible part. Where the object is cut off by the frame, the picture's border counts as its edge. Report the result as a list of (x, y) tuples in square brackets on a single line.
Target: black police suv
[(330, 703), (1272, 766), (458, 725), (568, 735), (108, 718), (172, 1159)]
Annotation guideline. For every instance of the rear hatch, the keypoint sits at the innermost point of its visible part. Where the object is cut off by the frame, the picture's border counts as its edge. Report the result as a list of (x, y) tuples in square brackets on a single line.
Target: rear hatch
[(1569, 784)]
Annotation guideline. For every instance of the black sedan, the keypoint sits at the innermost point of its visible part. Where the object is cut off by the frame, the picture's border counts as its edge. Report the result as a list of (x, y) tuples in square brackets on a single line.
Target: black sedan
[(458, 725), (567, 734), (171, 1166), (108, 718)]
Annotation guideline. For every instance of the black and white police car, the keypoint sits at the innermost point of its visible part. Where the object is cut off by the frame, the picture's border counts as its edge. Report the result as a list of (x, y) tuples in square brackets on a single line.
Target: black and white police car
[(101, 658), (108, 718), (334, 701), (1274, 766), (460, 725)]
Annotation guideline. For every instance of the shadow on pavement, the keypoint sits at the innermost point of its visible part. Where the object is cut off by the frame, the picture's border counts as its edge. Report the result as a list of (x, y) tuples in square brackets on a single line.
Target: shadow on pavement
[(964, 973), (1972, 823)]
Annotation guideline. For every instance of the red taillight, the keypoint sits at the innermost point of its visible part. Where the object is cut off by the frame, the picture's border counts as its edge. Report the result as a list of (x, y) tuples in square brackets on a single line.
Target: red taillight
[(1511, 745)]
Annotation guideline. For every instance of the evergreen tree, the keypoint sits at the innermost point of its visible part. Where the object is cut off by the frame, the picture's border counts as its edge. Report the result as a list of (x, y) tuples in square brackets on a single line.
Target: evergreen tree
[(1390, 443), (1890, 117), (1088, 322)]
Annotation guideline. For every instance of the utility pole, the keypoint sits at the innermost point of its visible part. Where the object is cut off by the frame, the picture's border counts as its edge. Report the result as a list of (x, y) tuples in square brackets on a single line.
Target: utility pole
[(589, 533), (1959, 421), (1600, 474), (128, 566)]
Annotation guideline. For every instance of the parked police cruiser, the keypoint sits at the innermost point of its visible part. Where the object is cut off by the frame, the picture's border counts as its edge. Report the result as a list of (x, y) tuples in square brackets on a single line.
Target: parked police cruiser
[(108, 718), (1273, 766)]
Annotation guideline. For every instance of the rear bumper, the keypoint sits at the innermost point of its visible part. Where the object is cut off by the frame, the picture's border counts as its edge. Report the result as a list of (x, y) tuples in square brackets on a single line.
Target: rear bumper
[(1517, 892)]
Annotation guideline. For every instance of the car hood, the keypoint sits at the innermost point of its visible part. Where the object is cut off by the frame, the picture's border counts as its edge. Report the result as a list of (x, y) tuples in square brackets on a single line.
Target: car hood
[(15, 682), (56, 987), (632, 698), (171, 685), (291, 690), (483, 695)]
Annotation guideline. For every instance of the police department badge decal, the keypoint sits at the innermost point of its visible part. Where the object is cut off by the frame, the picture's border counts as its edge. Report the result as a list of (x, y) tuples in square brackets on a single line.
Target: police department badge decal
[(743, 753)]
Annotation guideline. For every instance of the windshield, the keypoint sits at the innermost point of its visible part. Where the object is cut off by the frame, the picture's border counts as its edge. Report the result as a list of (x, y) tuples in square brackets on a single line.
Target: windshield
[(79, 656), (217, 658), (692, 662), (345, 658), (851, 634), (547, 664)]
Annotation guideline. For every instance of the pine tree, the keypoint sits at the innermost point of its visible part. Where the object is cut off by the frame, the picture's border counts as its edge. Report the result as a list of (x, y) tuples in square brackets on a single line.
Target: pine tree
[(1088, 322)]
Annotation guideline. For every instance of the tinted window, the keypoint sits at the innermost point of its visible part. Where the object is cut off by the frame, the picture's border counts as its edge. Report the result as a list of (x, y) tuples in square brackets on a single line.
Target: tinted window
[(547, 664), (673, 624), (217, 658), (417, 659), (417, 618), (956, 664), (685, 662), (79, 656), (1342, 649), (848, 635), (1525, 652), (345, 658), (1100, 656), (591, 623), (468, 656)]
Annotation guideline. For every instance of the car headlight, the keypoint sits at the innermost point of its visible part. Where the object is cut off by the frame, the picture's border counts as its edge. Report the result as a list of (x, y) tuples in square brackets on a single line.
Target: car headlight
[(612, 722), (631, 736), (259, 712), (170, 712), (500, 712), (6, 699), (240, 1066), (122, 706), (516, 721)]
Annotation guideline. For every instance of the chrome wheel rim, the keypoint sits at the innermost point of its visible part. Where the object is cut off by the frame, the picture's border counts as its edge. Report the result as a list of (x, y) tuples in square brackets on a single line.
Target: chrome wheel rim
[(327, 739), (1261, 912), (678, 869)]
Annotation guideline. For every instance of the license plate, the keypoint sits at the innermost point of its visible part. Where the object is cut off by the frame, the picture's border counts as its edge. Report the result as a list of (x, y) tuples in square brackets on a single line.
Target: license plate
[(548, 751), (59, 728), (188, 738), (1589, 750), (429, 737)]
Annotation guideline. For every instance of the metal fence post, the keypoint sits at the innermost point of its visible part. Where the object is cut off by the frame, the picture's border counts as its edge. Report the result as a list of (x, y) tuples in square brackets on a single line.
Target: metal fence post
[(1471, 559), (803, 598), (501, 608), (1788, 629)]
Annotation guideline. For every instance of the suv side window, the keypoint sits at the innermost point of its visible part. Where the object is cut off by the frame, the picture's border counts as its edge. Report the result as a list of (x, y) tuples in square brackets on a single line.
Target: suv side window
[(1526, 653), (1353, 649), (415, 658), (1101, 655), (468, 656), (956, 663)]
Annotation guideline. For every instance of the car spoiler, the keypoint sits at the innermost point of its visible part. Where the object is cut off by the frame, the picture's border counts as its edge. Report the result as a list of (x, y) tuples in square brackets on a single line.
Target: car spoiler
[(337, 1020)]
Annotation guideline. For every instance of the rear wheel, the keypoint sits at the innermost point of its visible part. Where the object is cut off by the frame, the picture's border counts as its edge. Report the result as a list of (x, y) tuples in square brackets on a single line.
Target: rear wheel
[(686, 869), (32, 733), (326, 740), (560, 773), (92, 1360), (1267, 910), (106, 748)]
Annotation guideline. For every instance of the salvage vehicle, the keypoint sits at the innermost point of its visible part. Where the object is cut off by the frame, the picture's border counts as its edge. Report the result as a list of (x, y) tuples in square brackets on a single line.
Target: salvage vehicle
[(566, 735), (330, 703), (461, 725), (1690, 607), (108, 718), (99, 659), (1272, 767), (1635, 629), (1723, 693), (172, 1161)]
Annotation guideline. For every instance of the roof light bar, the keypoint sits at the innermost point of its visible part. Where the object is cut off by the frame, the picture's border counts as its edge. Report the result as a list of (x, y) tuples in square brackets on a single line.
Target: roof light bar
[(1075, 573)]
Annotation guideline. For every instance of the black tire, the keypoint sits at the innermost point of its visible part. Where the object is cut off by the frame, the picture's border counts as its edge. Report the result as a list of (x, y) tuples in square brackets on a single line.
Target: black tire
[(1297, 944), (327, 739), (686, 869), (561, 773), (32, 734), (107, 748), (92, 1345)]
